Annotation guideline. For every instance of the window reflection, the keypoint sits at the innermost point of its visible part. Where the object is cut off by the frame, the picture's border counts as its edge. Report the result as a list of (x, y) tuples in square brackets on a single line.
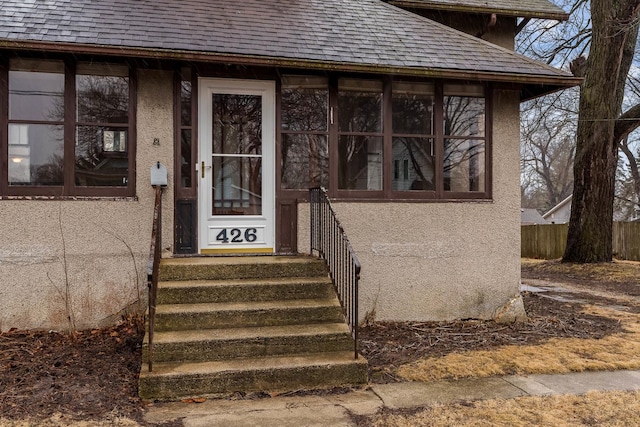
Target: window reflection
[(464, 161), (464, 149), (305, 161), (237, 186), (413, 108), (36, 154), (360, 163), (304, 154), (413, 164), (102, 110), (36, 150), (237, 124), (305, 102), (360, 106)]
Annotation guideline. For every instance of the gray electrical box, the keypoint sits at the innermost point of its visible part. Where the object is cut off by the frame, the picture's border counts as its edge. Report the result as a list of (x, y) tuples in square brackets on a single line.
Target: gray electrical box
[(158, 175)]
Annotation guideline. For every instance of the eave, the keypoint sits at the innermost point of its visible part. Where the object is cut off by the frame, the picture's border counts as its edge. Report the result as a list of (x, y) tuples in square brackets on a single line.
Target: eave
[(559, 16), (531, 86)]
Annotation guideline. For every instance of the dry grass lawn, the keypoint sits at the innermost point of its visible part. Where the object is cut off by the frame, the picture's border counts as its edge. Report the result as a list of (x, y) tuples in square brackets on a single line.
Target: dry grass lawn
[(618, 281), (558, 355), (592, 409)]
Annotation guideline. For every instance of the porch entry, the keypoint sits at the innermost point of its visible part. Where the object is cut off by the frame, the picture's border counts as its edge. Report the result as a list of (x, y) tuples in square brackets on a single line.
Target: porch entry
[(236, 166)]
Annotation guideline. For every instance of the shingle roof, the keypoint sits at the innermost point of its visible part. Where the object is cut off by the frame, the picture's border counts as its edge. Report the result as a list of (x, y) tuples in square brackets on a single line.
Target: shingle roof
[(521, 8), (356, 35)]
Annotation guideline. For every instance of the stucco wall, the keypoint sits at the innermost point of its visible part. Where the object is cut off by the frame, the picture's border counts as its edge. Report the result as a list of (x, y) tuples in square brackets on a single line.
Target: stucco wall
[(441, 261), (86, 259)]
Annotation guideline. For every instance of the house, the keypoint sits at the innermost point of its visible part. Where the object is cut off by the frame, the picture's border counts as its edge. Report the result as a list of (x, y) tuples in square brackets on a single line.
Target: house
[(560, 213), (531, 217), (410, 124)]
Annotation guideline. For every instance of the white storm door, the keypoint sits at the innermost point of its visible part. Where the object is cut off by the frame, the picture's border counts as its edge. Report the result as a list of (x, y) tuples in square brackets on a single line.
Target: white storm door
[(236, 166)]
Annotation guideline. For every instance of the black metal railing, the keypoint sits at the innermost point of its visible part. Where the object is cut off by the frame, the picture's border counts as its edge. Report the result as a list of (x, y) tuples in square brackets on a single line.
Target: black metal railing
[(330, 241), (152, 269)]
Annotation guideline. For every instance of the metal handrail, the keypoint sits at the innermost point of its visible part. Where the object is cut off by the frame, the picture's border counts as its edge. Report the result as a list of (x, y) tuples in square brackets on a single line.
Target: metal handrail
[(152, 268), (330, 241)]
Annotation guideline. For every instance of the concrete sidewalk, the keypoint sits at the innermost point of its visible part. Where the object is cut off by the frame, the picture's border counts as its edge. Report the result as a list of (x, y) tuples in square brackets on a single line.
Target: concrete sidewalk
[(334, 410)]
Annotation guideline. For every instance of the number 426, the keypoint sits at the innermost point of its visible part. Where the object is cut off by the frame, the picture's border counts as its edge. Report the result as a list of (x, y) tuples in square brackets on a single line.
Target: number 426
[(249, 235)]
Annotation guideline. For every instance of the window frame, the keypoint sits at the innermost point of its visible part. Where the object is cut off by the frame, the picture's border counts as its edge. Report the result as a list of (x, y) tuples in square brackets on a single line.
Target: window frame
[(387, 193), (68, 189)]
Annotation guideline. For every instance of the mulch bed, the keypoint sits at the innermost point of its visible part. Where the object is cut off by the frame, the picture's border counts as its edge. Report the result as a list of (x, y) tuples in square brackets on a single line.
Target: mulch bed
[(92, 375)]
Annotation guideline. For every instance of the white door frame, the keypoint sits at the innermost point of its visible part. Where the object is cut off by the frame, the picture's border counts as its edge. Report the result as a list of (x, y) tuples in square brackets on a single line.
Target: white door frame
[(244, 233)]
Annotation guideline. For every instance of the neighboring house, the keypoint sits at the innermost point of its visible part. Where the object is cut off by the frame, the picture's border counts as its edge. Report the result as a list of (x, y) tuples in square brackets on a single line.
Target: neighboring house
[(560, 213), (412, 126), (531, 217)]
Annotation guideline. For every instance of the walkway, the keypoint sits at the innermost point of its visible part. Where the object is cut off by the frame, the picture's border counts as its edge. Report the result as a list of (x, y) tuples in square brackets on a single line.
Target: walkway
[(334, 410)]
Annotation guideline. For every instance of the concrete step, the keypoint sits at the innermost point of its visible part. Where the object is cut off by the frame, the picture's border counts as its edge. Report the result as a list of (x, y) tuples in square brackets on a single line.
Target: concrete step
[(273, 374), (226, 344), (250, 267), (203, 291), (176, 317)]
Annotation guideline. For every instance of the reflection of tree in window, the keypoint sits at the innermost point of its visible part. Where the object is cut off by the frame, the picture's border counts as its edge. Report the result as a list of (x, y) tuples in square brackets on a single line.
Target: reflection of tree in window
[(412, 144), (360, 134), (101, 132), (237, 149), (464, 146), (304, 155)]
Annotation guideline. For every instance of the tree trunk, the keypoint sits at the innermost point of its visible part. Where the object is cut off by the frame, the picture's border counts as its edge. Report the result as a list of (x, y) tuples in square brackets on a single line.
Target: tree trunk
[(615, 31)]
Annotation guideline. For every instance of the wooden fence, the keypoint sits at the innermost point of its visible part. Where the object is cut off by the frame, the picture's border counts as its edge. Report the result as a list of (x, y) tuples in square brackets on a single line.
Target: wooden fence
[(548, 241)]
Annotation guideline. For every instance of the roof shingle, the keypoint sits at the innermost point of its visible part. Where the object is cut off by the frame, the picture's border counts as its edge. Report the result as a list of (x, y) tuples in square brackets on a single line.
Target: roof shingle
[(368, 34)]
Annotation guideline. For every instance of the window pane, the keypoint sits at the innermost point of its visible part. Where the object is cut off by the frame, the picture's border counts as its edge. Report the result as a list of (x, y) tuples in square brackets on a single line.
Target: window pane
[(185, 158), (360, 163), (102, 99), (464, 161), (36, 95), (413, 108), (36, 154), (464, 116), (237, 186), (237, 124), (101, 156), (305, 102), (305, 161), (360, 106), (413, 164), (185, 103)]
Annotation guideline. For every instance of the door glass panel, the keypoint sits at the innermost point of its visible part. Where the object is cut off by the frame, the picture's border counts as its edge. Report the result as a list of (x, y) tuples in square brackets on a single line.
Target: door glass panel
[(237, 185), (237, 154), (237, 124)]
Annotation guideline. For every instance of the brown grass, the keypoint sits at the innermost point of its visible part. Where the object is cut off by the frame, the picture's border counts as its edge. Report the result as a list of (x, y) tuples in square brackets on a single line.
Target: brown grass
[(614, 272), (558, 355), (594, 408)]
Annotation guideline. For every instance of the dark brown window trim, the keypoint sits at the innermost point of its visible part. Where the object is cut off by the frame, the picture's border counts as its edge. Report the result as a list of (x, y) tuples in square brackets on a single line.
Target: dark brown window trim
[(387, 193), (68, 191), (76, 198)]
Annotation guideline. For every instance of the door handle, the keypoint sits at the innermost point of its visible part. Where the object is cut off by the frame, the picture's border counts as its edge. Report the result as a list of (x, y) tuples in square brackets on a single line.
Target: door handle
[(202, 168)]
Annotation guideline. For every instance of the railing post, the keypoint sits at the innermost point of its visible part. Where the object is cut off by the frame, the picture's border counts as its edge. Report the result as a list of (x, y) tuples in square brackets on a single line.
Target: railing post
[(152, 268)]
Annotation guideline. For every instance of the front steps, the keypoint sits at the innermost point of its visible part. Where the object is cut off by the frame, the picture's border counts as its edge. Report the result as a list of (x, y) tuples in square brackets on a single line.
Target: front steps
[(247, 324)]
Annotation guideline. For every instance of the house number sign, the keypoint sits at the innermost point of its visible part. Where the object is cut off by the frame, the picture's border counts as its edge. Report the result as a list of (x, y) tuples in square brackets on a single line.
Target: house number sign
[(237, 235)]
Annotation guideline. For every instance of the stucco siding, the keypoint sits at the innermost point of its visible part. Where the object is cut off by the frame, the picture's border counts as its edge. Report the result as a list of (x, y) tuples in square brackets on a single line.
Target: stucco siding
[(81, 262), (441, 261)]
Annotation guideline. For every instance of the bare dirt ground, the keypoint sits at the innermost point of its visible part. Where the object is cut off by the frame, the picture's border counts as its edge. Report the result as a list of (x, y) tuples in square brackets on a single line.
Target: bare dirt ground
[(92, 375)]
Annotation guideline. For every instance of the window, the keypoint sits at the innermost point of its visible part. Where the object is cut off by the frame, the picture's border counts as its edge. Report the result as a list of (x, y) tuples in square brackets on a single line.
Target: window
[(360, 134), (304, 154), (464, 139), (413, 136), (384, 140), (68, 129)]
